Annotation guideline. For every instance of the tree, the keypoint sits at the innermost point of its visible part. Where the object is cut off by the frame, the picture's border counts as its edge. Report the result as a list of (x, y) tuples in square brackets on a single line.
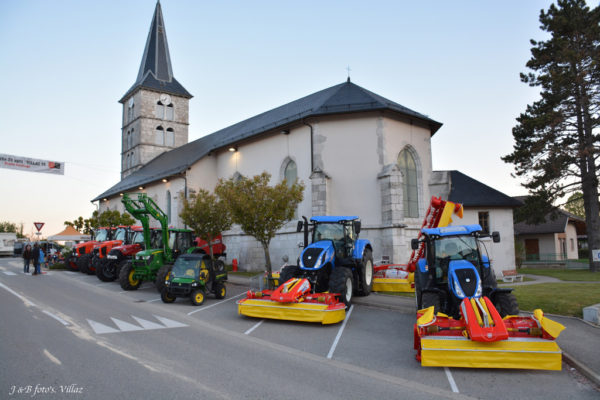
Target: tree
[(574, 204), (11, 227), (260, 210), (556, 138), (207, 215), (106, 218)]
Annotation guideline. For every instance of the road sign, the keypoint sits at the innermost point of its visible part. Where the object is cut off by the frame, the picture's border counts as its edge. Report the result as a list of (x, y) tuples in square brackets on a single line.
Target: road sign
[(38, 225), (595, 255)]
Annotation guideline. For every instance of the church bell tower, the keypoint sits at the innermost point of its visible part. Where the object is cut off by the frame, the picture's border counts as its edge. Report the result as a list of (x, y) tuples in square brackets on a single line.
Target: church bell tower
[(156, 107)]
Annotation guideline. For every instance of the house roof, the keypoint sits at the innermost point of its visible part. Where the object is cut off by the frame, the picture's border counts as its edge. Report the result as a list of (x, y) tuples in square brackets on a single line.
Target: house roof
[(472, 193), (343, 98), (156, 72), (556, 223)]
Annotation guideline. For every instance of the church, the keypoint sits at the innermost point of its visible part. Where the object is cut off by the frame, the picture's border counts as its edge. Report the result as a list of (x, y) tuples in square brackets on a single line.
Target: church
[(357, 153)]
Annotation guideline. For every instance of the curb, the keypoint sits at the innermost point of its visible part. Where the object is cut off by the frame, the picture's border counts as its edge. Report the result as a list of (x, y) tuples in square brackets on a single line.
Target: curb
[(582, 368)]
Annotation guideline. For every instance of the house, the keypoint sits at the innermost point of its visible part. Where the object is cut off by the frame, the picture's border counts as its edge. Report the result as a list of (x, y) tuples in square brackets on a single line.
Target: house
[(483, 205), (551, 242)]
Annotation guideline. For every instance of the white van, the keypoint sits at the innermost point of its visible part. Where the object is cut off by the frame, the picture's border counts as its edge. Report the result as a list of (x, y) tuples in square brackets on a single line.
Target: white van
[(7, 243)]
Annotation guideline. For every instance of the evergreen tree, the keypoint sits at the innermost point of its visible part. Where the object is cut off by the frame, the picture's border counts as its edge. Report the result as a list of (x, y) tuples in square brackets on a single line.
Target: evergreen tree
[(556, 138)]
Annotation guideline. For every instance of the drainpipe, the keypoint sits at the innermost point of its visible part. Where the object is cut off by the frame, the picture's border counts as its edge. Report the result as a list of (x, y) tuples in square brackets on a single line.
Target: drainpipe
[(184, 192), (312, 165)]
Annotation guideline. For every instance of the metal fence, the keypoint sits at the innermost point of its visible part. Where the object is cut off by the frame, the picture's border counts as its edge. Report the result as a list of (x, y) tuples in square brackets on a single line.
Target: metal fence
[(553, 259)]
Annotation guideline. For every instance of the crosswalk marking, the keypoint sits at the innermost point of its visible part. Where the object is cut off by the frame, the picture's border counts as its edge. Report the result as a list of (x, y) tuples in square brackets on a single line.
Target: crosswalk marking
[(9, 273), (144, 324)]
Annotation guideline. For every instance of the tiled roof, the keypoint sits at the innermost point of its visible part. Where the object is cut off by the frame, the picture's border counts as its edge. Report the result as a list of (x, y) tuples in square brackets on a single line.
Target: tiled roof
[(553, 223), (344, 98), (472, 193)]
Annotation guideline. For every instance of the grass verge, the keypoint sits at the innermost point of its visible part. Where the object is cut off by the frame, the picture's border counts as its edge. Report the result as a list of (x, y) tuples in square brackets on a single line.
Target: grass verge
[(564, 274), (558, 298)]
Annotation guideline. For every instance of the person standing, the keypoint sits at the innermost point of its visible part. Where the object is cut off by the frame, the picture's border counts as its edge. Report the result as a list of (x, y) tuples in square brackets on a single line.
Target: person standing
[(35, 256), (26, 258), (42, 262)]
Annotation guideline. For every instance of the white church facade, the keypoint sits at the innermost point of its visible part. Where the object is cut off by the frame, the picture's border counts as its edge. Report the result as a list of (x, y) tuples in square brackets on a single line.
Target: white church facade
[(356, 152)]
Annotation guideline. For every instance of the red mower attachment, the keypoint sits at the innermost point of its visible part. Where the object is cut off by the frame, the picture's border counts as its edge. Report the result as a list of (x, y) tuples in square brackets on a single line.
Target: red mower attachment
[(293, 301), (481, 339)]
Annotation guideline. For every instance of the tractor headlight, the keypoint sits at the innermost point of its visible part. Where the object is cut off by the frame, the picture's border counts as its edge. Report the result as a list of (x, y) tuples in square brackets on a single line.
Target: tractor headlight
[(111, 257), (458, 290), (479, 290), (194, 284), (319, 260)]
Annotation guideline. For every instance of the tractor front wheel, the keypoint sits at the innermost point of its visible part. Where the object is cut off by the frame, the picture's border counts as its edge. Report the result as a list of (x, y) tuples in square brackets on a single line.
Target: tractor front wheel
[(166, 297), (506, 304), (105, 271), (287, 273), (341, 282), (83, 263), (162, 275), (429, 299), (365, 270), (126, 278), (197, 297)]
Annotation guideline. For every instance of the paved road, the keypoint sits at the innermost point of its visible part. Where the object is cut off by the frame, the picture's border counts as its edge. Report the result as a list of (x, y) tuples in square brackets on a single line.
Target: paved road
[(67, 328)]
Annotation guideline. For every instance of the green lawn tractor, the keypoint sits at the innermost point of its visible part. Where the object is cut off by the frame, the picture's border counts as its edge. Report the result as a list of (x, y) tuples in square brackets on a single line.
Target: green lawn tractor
[(193, 276)]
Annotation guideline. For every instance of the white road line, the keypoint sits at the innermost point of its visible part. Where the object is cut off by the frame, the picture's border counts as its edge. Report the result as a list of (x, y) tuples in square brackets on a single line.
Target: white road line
[(216, 304), (52, 358), (59, 319), (249, 331), (152, 301), (27, 301), (339, 335), (10, 273), (451, 380)]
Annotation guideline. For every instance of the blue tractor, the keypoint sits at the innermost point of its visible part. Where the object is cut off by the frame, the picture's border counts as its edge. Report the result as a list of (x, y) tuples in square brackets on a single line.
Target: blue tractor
[(336, 260)]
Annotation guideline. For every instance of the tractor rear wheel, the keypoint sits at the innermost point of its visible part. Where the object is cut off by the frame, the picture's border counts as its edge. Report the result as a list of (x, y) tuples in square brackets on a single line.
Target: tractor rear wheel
[(162, 275), (166, 297), (197, 297), (288, 272), (506, 304), (341, 282), (429, 299), (220, 290), (119, 266), (126, 279), (365, 271), (83, 263)]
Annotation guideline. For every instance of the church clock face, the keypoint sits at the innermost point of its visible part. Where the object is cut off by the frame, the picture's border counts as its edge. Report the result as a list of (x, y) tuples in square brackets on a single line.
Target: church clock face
[(165, 99)]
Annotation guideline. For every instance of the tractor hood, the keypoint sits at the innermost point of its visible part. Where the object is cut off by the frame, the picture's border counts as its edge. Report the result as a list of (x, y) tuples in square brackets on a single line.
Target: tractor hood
[(316, 255)]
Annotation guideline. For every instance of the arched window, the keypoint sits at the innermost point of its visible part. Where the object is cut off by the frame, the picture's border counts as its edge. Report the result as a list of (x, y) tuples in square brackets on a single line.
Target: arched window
[(159, 137), (160, 110), (132, 159), (170, 137), (168, 207), (128, 161), (170, 113), (291, 173), (408, 167)]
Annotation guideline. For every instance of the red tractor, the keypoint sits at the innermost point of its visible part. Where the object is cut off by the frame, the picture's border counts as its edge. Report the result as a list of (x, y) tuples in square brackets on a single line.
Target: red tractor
[(121, 235), (82, 252)]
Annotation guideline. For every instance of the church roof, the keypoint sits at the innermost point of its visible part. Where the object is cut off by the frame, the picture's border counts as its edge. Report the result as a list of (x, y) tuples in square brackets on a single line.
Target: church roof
[(472, 193), (343, 98), (156, 72)]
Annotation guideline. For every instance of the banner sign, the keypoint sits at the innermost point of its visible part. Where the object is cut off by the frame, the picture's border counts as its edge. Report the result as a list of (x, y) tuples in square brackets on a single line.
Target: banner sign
[(31, 164)]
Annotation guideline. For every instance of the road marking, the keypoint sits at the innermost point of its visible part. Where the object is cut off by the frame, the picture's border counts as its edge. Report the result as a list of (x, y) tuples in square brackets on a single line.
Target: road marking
[(249, 331), (101, 328), (152, 301), (10, 273), (59, 319), (216, 304), (148, 324), (451, 380), (169, 323), (126, 326), (24, 299), (339, 335), (52, 358)]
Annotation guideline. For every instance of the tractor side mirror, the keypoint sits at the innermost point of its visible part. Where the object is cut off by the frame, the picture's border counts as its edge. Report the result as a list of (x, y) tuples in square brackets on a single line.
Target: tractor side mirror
[(414, 244), (496, 237), (300, 226), (357, 227)]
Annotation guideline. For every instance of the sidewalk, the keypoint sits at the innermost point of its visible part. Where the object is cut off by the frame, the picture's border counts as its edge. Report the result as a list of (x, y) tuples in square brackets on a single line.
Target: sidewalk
[(580, 341)]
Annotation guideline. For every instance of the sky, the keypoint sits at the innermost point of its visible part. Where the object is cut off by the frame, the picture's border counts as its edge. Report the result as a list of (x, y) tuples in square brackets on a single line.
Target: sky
[(64, 64)]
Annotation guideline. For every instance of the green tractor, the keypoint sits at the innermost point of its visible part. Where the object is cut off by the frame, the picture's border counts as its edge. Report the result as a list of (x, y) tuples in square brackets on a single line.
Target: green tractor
[(193, 276), (153, 264)]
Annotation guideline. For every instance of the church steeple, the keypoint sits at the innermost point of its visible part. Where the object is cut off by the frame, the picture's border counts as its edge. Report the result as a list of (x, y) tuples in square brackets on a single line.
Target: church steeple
[(156, 59), (156, 72), (156, 107)]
